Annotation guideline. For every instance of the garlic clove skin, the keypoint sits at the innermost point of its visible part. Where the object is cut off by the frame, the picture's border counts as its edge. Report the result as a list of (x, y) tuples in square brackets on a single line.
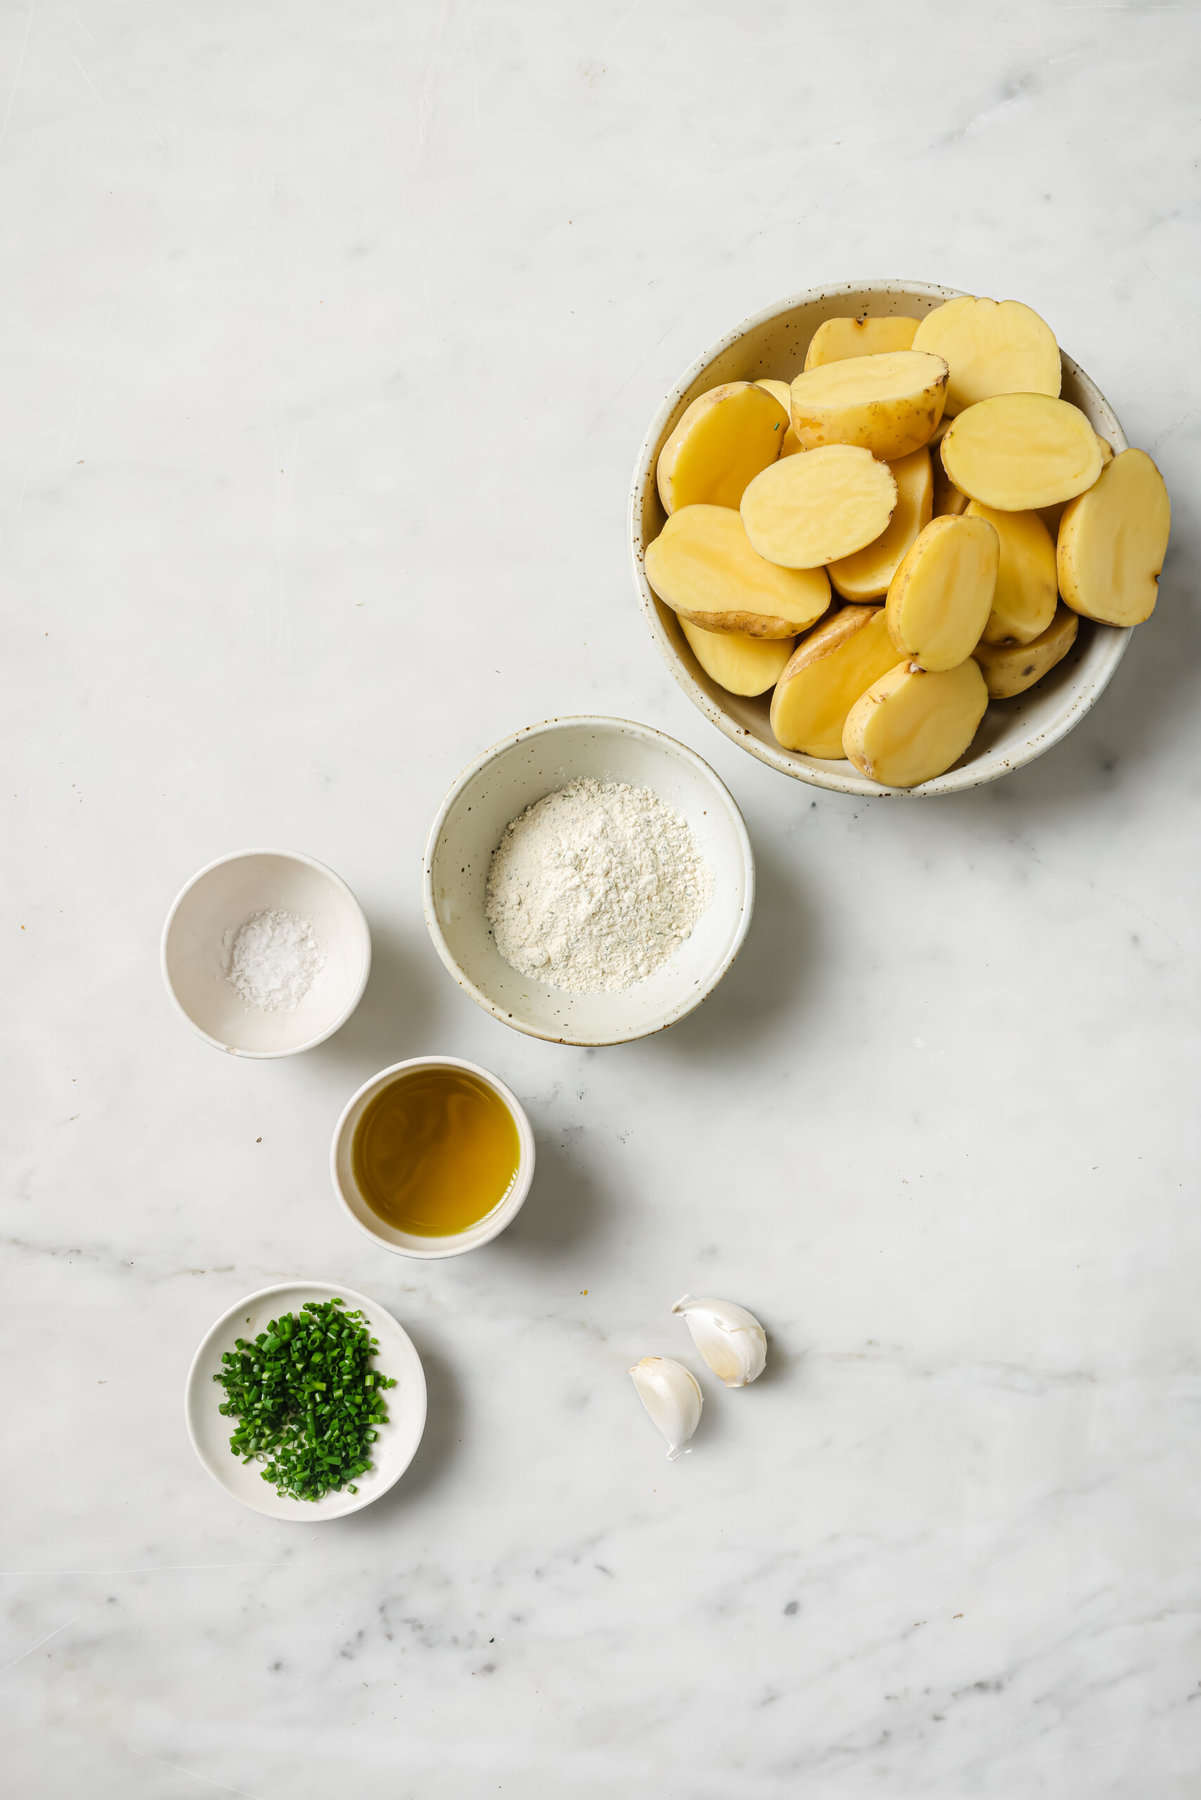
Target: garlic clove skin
[(730, 1339), (672, 1397)]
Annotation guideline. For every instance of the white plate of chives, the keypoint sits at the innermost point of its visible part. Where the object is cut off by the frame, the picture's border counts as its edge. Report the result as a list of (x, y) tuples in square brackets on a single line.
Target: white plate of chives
[(397, 1438)]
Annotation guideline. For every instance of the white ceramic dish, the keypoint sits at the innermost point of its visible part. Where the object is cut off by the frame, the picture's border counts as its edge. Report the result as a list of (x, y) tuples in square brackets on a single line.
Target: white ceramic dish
[(405, 1243), (510, 777), (216, 902), (773, 343), (394, 1449)]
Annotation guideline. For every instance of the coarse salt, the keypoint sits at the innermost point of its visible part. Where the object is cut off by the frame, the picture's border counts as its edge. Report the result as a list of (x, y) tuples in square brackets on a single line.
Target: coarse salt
[(272, 959)]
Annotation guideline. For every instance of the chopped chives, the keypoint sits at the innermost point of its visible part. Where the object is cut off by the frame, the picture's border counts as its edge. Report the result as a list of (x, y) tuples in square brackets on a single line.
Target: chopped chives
[(310, 1440)]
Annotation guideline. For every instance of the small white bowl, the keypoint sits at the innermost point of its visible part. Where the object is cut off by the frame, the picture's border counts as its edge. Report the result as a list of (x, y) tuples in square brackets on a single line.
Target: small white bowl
[(511, 776), (405, 1243), (773, 343), (210, 1432), (221, 898)]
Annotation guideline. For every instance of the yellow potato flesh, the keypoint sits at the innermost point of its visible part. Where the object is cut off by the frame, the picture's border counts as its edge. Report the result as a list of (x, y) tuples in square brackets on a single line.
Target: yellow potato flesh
[(1112, 542), (724, 438), (942, 594), (837, 340), (1024, 602), (866, 573), (911, 725), (1010, 669), (991, 347), (812, 509), (740, 664), (780, 391), (792, 445), (888, 403), (827, 672), (1019, 452), (1051, 515), (704, 567)]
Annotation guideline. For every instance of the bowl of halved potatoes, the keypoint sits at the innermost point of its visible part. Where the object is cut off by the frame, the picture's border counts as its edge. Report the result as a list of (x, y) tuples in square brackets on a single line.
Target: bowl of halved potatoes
[(891, 539)]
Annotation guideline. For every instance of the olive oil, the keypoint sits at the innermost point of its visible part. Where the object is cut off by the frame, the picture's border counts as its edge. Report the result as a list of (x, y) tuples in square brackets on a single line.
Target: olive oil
[(435, 1151)]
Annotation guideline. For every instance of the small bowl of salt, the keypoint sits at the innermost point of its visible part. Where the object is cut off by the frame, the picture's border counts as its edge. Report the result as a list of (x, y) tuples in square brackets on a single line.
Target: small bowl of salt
[(266, 952)]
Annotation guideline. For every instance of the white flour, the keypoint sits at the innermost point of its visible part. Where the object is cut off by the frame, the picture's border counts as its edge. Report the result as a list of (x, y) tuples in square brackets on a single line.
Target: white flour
[(594, 886), (273, 960)]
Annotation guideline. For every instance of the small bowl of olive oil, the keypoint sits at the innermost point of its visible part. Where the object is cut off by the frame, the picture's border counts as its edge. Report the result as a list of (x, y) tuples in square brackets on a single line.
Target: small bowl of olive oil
[(433, 1157)]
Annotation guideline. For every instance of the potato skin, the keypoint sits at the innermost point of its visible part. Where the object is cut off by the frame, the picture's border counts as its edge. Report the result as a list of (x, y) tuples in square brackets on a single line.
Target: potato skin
[(1010, 669), (891, 424), (771, 626), (703, 565)]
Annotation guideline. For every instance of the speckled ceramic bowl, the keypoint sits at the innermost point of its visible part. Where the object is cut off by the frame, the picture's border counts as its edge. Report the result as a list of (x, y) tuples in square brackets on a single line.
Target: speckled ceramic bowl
[(510, 777), (773, 343)]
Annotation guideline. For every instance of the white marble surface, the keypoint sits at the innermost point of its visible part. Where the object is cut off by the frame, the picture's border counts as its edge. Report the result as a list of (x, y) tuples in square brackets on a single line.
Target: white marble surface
[(328, 337)]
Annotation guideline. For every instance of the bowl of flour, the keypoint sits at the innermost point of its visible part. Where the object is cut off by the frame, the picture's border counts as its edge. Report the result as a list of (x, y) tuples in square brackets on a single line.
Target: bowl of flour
[(266, 952), (588, 880)]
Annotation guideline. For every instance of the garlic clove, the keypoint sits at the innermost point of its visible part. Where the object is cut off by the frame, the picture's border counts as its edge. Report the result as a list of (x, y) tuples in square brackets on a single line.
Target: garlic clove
[(672, 1396), (730, 1339)]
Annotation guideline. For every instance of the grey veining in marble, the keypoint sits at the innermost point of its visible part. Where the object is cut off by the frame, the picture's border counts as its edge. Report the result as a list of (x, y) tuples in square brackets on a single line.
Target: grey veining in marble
[(327, 338)]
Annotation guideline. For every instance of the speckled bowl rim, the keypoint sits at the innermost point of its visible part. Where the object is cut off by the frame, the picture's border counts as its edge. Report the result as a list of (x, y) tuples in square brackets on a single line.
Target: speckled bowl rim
[(964, 775), (603, 723), (331, 875)]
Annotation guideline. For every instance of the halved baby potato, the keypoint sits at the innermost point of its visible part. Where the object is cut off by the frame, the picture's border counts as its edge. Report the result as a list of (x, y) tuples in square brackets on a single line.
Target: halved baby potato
[(809, 510), (792, 445), (825, 675), (1024, 602), (866, 573), (724, 438), (1112, 542), (837, 340), (1018, 452), (991, 347), (942, 594), (912, 724), (888, 403), (703, 565), (1010, 669), (739, 663)]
